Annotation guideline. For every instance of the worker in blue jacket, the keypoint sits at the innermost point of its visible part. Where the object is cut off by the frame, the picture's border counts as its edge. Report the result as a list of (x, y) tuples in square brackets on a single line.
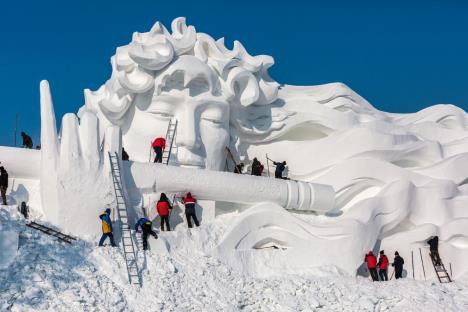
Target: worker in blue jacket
[(106, 228), (147, 228)]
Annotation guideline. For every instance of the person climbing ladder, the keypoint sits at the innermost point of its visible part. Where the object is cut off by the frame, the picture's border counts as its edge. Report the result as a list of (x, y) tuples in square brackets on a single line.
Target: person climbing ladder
[(147, 229), (434, 249), (159, 144)]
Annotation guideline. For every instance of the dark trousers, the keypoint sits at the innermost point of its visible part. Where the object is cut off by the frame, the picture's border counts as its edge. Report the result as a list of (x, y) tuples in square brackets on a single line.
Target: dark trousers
[(383, 275), (165, 219), (398, 273), (3, 191), (24, 212), (373, 274), (159, 152), (103, 238), (145, 235), (192, 215), (435, 257)]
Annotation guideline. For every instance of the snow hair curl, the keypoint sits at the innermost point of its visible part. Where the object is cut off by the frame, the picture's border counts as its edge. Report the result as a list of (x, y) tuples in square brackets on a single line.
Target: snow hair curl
[(139, 67)]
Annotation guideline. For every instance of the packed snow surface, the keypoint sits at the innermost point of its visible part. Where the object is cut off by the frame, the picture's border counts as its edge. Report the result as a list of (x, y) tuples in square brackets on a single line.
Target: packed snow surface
[(51, 276)]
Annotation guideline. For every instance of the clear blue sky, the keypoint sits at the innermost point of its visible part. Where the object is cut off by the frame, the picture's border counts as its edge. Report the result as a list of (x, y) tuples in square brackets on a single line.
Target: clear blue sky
[(400, 55)]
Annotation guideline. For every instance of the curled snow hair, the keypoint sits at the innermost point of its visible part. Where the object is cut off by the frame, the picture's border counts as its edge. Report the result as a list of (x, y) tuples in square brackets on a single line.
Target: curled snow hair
[(139, 67)]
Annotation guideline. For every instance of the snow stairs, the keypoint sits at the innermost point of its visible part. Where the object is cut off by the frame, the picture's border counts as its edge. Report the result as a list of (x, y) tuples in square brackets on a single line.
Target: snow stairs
[(49, 231), (440, 271), (170, 136), (134, 274)]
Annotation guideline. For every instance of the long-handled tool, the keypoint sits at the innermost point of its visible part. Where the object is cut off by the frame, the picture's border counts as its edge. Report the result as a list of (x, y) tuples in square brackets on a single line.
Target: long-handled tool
[(422, 262)]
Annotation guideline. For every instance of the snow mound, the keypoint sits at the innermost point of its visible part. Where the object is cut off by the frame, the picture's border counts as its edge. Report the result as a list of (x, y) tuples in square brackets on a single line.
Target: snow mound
[(49, 275)]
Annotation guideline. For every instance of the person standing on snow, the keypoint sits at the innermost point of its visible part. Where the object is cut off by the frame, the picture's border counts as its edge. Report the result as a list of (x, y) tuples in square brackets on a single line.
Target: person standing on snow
[(27, 141), (163, 207), (239, 168), (147, 228), (383, 266), (398, 264), (106, 228), (3, 184), (24, 210), (257, 167), (125, 155), (159, 144), (434, 249), (190, 202), (371, 261), (280, 166)]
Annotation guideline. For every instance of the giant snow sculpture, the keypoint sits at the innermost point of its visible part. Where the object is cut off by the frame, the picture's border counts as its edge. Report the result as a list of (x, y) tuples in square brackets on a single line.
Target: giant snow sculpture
[(398, 179)]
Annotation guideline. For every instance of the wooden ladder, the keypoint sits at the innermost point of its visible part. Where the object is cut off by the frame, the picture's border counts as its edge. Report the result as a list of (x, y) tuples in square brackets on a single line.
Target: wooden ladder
[(440, 271), (134, 275)]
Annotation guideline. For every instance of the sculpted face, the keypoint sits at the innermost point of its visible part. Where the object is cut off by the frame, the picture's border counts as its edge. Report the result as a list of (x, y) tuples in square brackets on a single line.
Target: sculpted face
[(203, 117), (212, 91)]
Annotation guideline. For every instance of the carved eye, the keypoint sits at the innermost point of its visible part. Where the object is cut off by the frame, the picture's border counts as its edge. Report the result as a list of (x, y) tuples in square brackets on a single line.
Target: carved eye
[(166, 115), (214, 121), (163, 114)]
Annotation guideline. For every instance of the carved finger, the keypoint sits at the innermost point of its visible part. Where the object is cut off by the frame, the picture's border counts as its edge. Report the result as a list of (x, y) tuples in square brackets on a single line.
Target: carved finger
[(70, 143), (89, 139), (49, 140)]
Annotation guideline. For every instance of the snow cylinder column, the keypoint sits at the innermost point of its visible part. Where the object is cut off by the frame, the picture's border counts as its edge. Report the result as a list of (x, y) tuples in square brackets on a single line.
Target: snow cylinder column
[(225, 186)]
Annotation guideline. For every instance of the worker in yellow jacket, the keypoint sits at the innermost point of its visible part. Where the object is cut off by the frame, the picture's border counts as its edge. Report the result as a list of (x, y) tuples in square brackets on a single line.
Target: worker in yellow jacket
[(106, 228)]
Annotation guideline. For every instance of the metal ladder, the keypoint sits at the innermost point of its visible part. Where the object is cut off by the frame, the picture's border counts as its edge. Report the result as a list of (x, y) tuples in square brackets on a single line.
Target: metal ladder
[(49, 231), (440, 271), (170, 136), (133, 271)]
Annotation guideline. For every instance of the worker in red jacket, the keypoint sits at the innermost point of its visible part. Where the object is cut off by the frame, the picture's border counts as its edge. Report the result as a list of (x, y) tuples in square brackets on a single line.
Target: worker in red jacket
[(163, 207), (190, 202), (371, 261), (159, 144), (383, 266)]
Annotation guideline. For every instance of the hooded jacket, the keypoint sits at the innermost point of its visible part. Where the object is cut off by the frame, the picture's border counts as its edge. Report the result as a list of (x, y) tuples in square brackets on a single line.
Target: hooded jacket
[(189, 202), (383, 262), (106, 223), (163, 207), (434, 243), (371, 260), (398, 262), (159, 142)]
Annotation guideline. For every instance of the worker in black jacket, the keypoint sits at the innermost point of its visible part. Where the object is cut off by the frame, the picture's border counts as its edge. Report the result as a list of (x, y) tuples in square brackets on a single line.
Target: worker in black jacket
[(3, 183), (434, 249), (398, 265), (280, 166), (27, 141)]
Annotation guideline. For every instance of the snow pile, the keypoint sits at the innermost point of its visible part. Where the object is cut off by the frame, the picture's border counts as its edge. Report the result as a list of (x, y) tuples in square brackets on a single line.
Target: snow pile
[(8, 235), (49, 275)]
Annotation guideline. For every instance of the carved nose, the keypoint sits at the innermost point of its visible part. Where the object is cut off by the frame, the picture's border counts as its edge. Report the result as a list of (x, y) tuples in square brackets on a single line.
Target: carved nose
[(188, 135)]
